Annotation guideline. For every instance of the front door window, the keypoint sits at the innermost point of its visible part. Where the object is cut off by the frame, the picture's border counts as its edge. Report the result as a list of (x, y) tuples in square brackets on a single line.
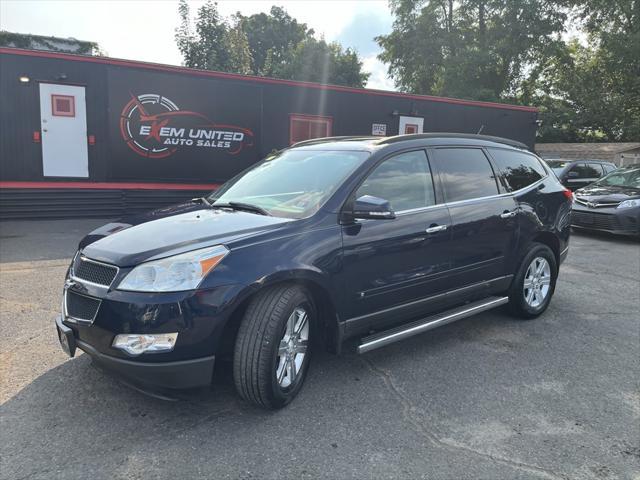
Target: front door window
[(404, 180)]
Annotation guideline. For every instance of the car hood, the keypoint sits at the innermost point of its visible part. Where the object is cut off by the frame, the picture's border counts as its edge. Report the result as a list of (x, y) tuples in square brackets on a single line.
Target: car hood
[(147, 237), (607, 194)]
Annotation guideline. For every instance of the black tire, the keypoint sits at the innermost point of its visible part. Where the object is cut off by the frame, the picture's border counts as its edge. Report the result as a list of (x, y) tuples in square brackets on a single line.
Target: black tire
[(518, 305), (255, 355)]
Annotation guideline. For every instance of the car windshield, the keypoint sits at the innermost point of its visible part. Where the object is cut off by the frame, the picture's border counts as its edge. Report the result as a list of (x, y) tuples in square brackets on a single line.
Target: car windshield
[(292, 183), (622, 178), (557, 165)]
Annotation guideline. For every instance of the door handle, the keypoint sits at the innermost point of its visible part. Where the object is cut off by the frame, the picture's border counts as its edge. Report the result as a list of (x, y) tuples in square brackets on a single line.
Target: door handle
[(436, 228), (507, 214)]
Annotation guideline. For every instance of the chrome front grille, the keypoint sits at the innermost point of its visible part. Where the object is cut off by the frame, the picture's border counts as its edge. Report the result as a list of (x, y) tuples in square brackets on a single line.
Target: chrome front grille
[(80, 307), (94, 272), (596, 205)]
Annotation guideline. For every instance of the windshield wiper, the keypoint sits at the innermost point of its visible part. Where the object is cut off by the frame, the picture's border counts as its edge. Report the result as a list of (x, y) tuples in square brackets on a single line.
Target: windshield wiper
[(203, 200), (242, 206)]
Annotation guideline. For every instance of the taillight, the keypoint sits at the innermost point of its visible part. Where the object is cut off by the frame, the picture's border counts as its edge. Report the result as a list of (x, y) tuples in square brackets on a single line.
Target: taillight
[(569, 194)]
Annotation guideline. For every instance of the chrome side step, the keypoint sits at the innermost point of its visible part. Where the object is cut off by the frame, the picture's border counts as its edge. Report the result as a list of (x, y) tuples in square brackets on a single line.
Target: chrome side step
[(381, 339)]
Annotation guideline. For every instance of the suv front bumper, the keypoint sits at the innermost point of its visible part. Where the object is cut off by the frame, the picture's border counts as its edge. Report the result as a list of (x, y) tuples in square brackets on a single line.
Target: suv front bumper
[(158, 375), (612, 220)]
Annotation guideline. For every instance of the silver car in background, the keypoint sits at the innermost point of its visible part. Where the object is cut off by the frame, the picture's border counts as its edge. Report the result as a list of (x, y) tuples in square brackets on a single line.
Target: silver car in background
[(611, 204)]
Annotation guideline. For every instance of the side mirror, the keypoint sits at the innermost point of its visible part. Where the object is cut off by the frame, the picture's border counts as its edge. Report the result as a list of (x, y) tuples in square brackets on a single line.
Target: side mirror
[(372, 207)]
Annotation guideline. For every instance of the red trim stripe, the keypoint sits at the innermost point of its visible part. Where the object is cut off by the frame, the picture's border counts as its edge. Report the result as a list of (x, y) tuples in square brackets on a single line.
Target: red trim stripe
[(111, 185), (249, 78)]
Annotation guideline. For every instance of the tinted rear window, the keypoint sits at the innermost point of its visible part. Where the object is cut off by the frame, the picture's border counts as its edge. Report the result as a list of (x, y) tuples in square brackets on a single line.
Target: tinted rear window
[(520, 169), (466, 173)]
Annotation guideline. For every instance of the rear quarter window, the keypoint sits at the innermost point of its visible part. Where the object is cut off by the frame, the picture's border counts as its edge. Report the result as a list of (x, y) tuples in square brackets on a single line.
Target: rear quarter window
[(520, 169)]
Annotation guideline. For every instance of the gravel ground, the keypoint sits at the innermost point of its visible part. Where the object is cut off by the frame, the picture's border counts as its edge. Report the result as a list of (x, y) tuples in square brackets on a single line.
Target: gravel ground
[(487, 397)]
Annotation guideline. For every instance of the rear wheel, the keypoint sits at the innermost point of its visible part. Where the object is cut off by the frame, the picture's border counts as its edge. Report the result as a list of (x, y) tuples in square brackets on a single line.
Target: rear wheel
[(273, 346), (534, 283)]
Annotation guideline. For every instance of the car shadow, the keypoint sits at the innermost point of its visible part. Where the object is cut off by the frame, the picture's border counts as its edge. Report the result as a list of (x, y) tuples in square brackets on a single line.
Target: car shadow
[(89, 398), (76, 407)]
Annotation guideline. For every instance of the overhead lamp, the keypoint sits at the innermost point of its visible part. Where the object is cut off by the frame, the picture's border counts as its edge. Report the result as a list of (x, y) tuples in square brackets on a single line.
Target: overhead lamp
[(24, 79)]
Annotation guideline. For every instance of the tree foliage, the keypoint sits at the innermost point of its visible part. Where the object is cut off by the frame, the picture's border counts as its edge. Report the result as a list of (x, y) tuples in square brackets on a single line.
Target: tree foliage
[(318, 61), (209, 47), (273, 44), (478, 49), (272, 37), (522, 51), (54, 44)]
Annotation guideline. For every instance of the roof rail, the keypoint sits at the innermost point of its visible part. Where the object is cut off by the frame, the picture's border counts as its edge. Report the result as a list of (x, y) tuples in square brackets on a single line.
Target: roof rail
[(417, 136), (314, 141)]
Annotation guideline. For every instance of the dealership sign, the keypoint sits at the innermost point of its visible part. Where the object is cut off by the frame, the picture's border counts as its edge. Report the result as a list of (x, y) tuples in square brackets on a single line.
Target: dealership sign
[(155, 127)]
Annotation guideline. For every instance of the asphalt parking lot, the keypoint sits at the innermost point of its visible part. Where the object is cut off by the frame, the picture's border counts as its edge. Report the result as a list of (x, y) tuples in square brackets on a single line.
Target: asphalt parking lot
[(487, 397)]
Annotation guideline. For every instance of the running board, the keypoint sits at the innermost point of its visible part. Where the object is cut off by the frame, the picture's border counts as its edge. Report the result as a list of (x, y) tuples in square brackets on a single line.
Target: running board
[(381, 339)]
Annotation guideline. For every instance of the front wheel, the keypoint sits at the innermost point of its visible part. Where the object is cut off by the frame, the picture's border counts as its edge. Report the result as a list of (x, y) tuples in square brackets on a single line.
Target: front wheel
[(534, 284), (273, 346)]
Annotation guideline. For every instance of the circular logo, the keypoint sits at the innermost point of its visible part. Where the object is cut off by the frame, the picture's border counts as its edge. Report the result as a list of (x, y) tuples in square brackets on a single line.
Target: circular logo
[(149, 111)]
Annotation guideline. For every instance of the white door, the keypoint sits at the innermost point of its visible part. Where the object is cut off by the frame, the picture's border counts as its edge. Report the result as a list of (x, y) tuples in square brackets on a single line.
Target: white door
[(63, 118), (410, 125)]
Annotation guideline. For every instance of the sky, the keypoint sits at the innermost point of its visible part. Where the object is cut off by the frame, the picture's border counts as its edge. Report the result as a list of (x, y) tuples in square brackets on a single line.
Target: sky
[(144, 29)]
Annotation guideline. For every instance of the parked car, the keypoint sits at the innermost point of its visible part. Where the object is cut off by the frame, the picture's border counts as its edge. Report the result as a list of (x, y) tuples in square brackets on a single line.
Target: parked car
[(611, 204), (575, 174), (331, 239)]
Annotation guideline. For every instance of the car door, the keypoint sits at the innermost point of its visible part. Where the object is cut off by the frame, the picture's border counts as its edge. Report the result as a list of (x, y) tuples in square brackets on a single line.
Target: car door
[(387, 264), (483, 217)]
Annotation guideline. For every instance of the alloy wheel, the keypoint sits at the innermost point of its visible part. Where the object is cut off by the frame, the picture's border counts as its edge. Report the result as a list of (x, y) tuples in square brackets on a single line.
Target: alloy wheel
[(537, 282), (292, 348)]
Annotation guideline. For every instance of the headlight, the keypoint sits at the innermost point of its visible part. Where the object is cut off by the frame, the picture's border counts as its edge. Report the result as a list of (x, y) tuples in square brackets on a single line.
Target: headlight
[(174, 274), (629, 204)]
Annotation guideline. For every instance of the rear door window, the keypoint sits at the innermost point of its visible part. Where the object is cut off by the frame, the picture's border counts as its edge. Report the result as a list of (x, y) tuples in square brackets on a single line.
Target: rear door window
[(520, 169), (598, 168), (585, 171), (404, 180), (466, 173)]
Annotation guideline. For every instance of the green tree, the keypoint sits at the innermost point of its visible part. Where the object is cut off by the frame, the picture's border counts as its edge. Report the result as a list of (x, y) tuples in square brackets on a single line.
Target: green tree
[(318, 61), (215, 45), (591, 91), (273, 45), (54, 44), (477, 49), (272, 36), (240, 59)]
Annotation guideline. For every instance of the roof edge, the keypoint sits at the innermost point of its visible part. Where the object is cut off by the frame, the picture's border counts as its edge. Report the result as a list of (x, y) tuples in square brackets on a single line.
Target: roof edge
[(251, 78)]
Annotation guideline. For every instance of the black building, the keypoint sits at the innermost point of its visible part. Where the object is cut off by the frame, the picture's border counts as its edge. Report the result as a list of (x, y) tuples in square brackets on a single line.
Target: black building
[(95, 136)]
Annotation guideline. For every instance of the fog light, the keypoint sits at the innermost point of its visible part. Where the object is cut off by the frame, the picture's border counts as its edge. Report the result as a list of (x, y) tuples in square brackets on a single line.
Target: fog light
[(135, 344)]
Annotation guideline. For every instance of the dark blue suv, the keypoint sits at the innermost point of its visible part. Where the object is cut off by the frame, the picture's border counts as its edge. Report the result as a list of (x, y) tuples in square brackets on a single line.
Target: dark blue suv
[(375, 239)]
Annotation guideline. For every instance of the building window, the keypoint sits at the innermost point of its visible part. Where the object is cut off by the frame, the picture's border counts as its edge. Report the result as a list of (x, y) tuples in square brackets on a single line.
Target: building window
[(410, 128), (304, 127), (63, 106)]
